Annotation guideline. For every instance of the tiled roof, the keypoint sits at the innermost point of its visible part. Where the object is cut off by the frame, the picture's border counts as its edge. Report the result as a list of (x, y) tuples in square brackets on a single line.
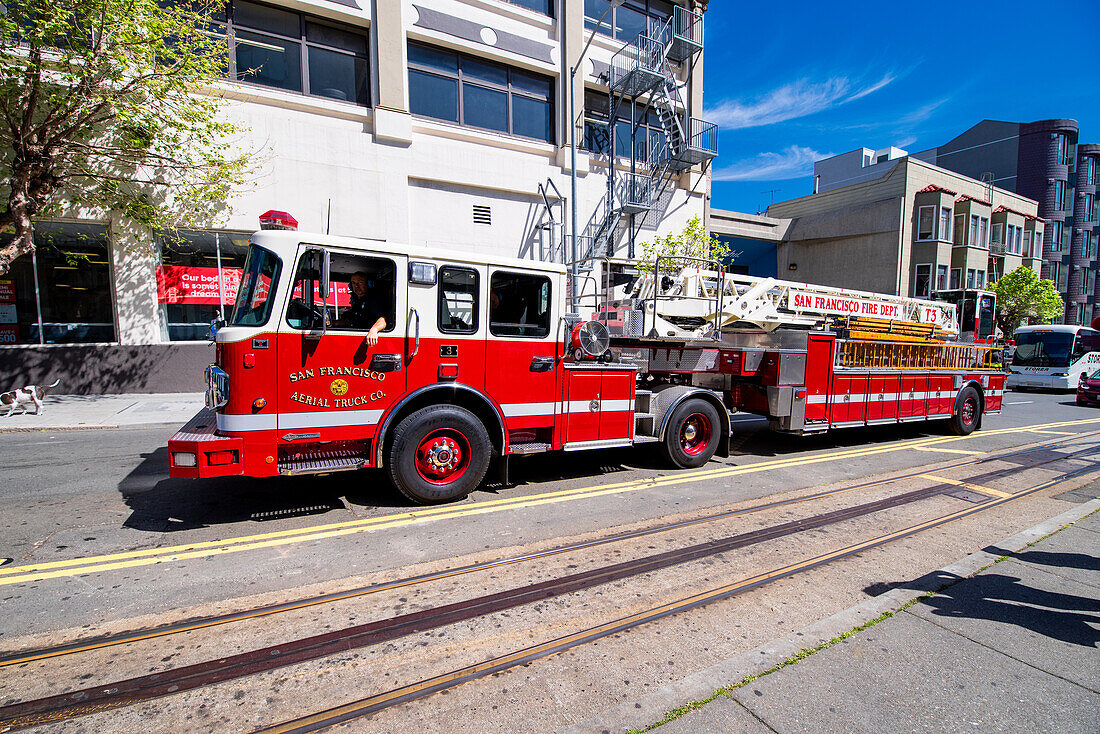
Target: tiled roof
[(967, 197), (1003, 208), (932, 188)]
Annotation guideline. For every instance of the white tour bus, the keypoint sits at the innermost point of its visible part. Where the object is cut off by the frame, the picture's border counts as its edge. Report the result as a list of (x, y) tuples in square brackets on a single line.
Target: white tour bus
[(1053, 357)]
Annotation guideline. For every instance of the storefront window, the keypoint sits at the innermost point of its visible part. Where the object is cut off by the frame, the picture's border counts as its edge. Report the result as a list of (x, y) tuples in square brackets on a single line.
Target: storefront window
[(197, 280), (71, 301)]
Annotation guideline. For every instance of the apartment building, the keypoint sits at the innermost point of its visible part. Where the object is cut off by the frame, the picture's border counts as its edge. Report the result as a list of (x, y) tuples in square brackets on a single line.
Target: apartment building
[(436, 122), (1043, 161), (906, 227)]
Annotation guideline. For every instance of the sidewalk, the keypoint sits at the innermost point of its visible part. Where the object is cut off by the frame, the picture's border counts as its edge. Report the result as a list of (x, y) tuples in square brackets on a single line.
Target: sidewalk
[(1015, 647), (75, 412)]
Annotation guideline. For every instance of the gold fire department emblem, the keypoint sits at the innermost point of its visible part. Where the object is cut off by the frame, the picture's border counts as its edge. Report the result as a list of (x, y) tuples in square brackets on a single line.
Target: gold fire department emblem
[(339, 387)]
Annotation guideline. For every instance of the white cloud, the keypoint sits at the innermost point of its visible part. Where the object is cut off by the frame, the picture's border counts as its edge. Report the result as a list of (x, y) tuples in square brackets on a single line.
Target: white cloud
[(789, 101), (792, 162)]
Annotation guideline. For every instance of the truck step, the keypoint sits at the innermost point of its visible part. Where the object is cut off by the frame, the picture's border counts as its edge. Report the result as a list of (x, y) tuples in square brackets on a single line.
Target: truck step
[(322, 461), (533, 447), (643, 399), (645, 424)]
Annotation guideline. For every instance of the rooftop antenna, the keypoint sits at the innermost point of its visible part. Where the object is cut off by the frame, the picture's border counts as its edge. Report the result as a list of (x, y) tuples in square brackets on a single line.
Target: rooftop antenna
[(771, 195)]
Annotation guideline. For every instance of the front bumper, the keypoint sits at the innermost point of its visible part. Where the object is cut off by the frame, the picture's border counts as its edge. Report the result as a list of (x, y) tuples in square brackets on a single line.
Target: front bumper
[(1022, 379), (196, 452)]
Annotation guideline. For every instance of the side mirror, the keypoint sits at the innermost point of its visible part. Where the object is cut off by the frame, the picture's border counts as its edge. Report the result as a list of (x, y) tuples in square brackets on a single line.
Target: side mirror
[(215, 325)]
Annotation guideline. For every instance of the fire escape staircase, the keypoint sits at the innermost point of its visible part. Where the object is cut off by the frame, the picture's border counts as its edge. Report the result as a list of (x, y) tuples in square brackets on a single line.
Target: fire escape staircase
[(642, 69)]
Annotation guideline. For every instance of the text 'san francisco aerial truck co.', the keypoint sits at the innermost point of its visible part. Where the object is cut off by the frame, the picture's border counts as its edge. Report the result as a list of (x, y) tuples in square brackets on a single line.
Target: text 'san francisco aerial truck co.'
[(464, 361)]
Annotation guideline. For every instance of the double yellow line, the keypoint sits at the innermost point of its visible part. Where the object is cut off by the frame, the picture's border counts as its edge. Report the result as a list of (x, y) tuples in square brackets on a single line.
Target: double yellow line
[(205, 549)]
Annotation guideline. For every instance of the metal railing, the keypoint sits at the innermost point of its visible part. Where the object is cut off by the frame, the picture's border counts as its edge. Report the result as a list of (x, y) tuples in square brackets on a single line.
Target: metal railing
[(686, 34), (638, 67), (677, 262), (896, 356)]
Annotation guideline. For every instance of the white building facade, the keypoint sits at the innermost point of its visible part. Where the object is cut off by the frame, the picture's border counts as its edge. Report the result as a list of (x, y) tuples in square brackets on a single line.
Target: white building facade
[(436, 122)]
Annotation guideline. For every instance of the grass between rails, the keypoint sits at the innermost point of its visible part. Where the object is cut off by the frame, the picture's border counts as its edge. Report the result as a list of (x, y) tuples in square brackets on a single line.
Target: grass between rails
[(804, 653)]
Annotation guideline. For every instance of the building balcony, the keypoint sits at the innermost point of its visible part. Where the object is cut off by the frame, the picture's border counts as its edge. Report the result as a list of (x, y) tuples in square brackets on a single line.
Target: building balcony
[(638, 67), (687, 34), (700, 146), (634, 192)]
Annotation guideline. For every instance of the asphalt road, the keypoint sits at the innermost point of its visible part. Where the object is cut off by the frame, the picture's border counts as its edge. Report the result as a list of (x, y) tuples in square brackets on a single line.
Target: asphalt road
[(79, 494)]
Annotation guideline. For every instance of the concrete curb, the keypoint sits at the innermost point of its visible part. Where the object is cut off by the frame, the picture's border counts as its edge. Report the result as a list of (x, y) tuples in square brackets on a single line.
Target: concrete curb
[(652, 707), (58, 427)]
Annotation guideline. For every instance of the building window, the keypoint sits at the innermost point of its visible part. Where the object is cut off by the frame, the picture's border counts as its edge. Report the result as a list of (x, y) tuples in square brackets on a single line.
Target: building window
[(1090, 170), (983, 232), (628, 20), (197, 280), (998, 233), (1084, 313), (973, 241), (539, 6), (1063, 151), (70, 300), (1088, 244), (458, 302), (926, 223), (979, 280), (956, 278), (1056, 229), (648, 136), (945, 224), (278, 48), (1027, 243), (1058, 275), (971, 273), (922, 284), (457, 88), (960, 229), (941, 277), (1059, 195), (1090, 209)]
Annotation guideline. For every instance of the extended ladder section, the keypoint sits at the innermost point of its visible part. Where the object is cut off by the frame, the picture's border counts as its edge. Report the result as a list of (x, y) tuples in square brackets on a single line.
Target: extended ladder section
[(698, 303)]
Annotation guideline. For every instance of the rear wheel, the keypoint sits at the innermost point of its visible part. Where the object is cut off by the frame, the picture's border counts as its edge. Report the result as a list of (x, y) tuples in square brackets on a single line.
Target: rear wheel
[(439, 454), (968, 412), (693, 432)]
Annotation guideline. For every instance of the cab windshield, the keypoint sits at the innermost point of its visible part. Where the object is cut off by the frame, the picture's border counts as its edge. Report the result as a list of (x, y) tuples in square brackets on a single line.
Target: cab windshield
[(256, 293), (1043, 349)]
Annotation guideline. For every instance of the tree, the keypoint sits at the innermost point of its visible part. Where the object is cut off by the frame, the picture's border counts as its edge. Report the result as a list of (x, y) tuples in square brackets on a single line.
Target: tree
[(108, 105), (1022, 296), (693, 242)]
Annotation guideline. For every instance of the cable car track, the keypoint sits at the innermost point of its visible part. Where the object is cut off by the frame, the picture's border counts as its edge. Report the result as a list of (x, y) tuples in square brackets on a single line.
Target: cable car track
[(129, 636), (82, 702)]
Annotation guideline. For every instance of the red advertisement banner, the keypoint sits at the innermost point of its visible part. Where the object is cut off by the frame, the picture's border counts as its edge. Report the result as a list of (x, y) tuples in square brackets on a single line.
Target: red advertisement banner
[(7, 291), (9, 334), (190, 285)]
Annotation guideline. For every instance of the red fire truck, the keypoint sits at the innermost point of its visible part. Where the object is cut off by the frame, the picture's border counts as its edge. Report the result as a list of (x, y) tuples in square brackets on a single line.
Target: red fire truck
[(343, 354)]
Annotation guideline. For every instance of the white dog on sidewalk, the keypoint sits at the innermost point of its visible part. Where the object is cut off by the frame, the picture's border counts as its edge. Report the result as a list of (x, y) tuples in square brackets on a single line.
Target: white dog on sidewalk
[(24, 397)]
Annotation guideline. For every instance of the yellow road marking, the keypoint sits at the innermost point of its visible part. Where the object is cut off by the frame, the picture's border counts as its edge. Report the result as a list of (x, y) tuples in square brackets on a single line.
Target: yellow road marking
[(1059, 433), (945, 451), (967, 485), (203, 549)]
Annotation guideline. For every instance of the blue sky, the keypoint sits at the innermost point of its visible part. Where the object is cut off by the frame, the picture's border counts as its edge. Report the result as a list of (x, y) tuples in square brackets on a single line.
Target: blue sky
[(790, 83)]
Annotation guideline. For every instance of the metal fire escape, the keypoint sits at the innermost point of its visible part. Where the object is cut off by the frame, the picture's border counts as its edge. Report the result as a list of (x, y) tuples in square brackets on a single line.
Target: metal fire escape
[(641, 76)]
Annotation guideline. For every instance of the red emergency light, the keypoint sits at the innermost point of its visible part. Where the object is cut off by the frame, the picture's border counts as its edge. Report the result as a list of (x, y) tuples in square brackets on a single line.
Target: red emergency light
[(272, 219)]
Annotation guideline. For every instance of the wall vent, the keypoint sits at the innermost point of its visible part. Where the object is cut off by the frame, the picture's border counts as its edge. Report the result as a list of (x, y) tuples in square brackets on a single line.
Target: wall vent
[(482, 214)]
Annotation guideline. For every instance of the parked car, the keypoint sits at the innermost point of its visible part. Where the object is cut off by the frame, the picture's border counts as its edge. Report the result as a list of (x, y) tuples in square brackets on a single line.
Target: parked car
[(1088, 388)]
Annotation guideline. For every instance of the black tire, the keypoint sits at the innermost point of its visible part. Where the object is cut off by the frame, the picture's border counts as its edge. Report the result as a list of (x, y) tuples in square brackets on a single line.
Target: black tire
[(968, 412), (693, 433), (439, 454)]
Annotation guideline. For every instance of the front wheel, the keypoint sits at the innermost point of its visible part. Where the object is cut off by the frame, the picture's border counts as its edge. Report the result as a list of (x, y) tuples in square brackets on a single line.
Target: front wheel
[(968, 412), (693, 432), (439, 454)]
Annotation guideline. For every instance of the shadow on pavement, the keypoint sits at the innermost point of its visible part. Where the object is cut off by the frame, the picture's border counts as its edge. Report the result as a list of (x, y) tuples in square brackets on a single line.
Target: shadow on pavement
[(1006, 599)]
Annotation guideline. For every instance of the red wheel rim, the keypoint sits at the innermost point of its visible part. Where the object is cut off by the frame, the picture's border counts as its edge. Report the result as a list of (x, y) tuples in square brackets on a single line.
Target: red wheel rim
[(442, 456), (695, 434), (969, 410)]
